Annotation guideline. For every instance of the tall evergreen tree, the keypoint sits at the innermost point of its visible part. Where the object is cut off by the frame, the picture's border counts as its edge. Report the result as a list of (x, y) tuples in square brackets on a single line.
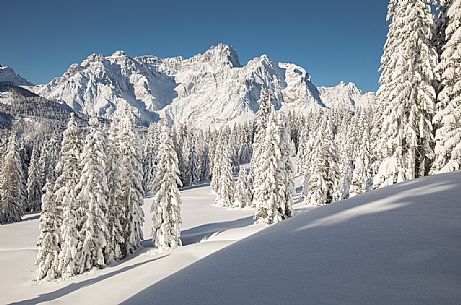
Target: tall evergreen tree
[(448, 115), (406, 94), (34, 182), (362, 174), (242, 192), (269, 195), (217, 160), (262, 117), (92, 196), (323, 185), (166, 206), (49, 239), (286, 168), (69, 213), (150, 154), (116, 207), (12, 195), (225, 181), (132, 192)]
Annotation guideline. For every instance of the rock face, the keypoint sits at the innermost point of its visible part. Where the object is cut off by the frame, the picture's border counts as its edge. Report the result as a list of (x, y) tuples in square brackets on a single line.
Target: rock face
[(346, 96), (8, 75), (209, 88)]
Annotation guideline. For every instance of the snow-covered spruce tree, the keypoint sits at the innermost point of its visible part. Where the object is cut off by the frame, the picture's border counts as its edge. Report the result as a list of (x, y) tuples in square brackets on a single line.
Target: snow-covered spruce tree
[(49, 158), (286, 167), (441, 22), (92, 196), (132, 192), (13, 199), (262, 117), (68, 211), (150, 154), (192, 159), (225, 181), (323, 184), (448, 114), (23, 165), (242, 191), (116, 208), (166, 207), (269, 195), (260, 123), (406, 95), (203, 157), (34, 182), (49, 239), (303, 153), (217, 161), (362, 174)]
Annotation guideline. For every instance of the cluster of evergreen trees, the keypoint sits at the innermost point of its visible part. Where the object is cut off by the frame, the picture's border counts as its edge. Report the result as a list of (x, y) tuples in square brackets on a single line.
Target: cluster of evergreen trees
[(413, 130), (25, 163), (269, 186), (417, 126), (92, 213)]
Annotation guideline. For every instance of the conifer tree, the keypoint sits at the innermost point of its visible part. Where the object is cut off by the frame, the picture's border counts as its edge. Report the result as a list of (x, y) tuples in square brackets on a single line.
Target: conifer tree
[(406, 95), (242, 192), (116, 208), (362, 174), (286, 168), (225, 181), (323, 183), (132, 192), (23, 161), (69, 213), (269, 195), (150, 153), (49, 239), (93, 192), (448, 114), (34, 183), (166, 207), (217, 161), (262, 117), (13, 198)]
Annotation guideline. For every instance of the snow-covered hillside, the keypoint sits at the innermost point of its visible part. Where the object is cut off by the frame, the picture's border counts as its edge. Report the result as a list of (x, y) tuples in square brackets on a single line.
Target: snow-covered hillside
[(346, 96), (397, 245), (212, 87)]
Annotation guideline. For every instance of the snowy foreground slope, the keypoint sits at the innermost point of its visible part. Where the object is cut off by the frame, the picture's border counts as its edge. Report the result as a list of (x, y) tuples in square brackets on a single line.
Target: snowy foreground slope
[(398, 245)]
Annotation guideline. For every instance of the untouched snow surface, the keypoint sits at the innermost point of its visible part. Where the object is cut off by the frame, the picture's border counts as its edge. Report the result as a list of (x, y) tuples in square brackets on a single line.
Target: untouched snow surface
[(398, 245)]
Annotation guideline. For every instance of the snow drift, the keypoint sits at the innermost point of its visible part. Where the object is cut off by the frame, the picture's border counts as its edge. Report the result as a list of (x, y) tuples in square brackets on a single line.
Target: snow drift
[(397, 245)]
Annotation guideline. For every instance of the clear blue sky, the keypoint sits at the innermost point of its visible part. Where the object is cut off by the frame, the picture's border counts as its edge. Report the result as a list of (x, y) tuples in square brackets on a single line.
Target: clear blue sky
[(334, 40)]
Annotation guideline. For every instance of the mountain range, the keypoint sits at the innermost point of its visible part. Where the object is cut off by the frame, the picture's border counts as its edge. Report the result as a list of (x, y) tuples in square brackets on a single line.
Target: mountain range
[(212, 88)]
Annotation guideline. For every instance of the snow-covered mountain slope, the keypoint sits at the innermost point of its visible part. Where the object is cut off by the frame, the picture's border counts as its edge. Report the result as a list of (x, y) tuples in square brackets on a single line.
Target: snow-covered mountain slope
[(397, 245), (346, 96), (7, 74), (212, 87)]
